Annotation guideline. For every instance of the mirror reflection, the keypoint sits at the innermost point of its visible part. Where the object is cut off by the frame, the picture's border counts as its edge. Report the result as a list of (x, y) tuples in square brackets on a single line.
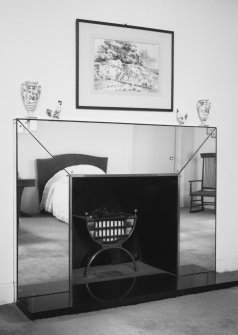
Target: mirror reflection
[(43, 224), (196, 162), (43, 246)]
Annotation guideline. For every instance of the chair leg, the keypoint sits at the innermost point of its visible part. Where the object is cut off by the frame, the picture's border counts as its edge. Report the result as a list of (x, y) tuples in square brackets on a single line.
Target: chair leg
[(196, 205), (192, 204), (191, 200), (202, 203)]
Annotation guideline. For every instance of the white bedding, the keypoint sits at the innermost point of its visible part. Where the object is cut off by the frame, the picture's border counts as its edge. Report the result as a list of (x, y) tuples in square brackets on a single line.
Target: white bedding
[(55, 198)]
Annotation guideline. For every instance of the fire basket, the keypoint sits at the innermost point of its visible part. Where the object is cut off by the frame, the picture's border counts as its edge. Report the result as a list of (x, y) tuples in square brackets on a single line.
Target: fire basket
[(110, 231)]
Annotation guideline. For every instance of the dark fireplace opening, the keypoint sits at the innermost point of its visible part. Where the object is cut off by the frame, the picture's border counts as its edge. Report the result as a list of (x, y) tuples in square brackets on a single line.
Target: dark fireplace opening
[(123, 226)]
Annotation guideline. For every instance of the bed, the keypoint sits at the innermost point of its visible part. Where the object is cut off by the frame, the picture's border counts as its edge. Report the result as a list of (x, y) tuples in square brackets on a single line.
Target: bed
[(53, 179)]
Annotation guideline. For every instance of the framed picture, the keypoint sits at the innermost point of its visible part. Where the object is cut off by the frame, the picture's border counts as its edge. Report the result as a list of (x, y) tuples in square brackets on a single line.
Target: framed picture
[(123, 67), (212, 132)]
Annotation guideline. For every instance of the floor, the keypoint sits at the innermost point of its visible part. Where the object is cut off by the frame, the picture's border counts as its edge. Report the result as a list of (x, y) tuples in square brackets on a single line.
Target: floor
[(211, 313)]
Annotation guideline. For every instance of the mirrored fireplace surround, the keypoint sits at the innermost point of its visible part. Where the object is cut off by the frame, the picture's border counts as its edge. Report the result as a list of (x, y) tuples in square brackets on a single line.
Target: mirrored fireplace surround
[(103, 215)]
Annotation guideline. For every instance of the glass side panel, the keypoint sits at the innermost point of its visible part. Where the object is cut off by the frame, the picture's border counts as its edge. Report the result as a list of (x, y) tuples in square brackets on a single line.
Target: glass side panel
[(197, 199), (43, 243)]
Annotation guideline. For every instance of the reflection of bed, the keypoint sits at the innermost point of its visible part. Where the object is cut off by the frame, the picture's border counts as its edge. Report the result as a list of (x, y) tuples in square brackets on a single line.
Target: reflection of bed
[(53, 179)]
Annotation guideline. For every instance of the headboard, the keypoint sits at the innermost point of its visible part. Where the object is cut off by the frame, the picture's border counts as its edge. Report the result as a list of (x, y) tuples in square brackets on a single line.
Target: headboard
[(47, 167)]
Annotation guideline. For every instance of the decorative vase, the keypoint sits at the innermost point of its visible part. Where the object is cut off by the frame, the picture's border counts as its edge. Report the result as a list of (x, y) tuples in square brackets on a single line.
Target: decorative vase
[(31, 91), (203, 109)]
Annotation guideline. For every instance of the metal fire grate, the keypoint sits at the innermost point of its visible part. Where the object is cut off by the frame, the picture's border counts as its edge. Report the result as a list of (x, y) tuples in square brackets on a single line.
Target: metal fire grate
[(111, 229)]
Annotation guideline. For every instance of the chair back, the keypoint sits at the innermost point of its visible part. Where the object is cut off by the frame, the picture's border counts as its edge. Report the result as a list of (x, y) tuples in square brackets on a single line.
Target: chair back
[(209, 171)]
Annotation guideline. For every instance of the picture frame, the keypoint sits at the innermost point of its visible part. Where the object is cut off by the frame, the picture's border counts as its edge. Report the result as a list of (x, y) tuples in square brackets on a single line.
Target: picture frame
[(212, 132), (123, 67)]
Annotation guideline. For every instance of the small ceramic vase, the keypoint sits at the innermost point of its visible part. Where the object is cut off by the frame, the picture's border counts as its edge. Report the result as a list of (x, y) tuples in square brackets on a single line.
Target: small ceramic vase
[(31, 91), (203, 109)]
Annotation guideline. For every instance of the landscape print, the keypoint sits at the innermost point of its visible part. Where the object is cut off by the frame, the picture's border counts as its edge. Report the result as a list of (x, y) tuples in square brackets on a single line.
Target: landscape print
[(126, 66)]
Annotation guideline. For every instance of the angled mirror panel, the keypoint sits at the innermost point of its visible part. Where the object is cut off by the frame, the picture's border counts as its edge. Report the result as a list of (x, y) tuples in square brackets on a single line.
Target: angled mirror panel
[(96, 139), (130, 148), (189, 141)]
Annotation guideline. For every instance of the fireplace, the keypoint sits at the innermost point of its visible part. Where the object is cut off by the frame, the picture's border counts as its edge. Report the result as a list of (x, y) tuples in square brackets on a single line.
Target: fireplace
[(124, 229), (129, 238)]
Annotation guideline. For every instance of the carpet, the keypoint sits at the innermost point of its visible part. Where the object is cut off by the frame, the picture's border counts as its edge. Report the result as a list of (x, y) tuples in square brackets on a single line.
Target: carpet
[(197, 238), (43, 250), (211, 313)]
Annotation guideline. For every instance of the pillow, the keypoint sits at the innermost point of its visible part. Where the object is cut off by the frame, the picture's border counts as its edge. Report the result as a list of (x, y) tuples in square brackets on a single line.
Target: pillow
[(84, 169), (62, 177)]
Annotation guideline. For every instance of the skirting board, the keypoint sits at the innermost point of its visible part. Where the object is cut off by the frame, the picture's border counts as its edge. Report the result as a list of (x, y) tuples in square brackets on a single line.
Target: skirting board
[(7, 293), (227, 263)]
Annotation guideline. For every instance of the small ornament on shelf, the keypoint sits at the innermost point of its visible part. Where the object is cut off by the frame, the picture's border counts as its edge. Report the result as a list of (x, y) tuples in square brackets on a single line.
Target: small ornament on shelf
[(55, 114), (181, 118), (203, 109), (31, 91)]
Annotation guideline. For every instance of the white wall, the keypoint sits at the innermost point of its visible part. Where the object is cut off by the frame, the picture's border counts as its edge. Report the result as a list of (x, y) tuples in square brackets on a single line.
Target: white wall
[(38, 43), (152, 148)]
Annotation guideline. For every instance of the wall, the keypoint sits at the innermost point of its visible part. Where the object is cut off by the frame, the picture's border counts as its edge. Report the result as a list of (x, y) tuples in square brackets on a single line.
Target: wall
[(152, 148), (38, 43)]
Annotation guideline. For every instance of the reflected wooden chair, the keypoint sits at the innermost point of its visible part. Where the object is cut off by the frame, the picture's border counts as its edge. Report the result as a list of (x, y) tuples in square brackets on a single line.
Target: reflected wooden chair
[(205, 187)]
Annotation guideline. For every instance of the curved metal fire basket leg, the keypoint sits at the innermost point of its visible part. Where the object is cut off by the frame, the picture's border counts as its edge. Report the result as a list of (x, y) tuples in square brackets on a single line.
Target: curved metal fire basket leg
[(103, 249), (90, 262), (131, 257)]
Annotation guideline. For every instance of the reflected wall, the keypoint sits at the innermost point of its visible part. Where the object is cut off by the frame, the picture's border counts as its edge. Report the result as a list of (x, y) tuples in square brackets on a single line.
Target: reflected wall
[(44, 239)]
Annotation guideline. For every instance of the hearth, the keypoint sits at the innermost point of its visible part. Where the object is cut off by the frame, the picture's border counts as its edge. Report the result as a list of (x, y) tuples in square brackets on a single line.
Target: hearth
[(123, 227)]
